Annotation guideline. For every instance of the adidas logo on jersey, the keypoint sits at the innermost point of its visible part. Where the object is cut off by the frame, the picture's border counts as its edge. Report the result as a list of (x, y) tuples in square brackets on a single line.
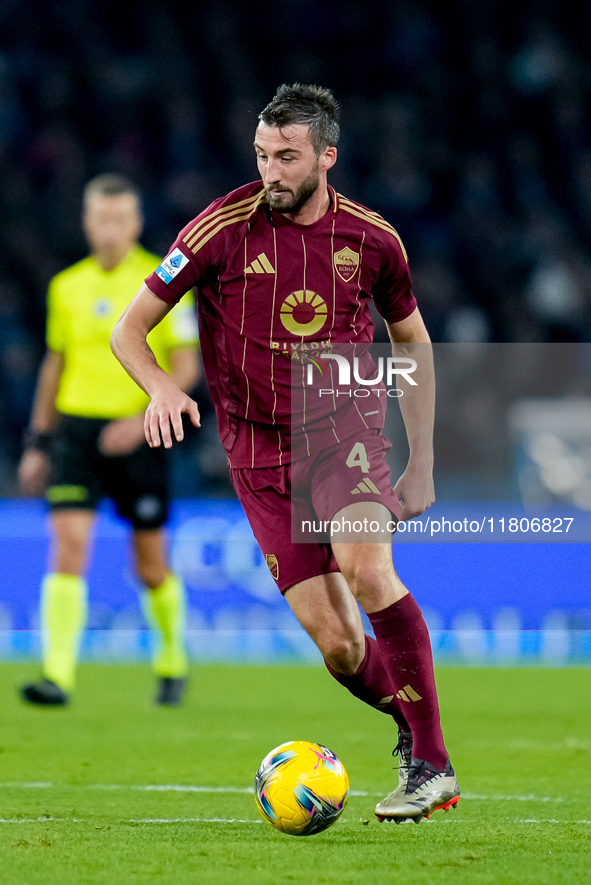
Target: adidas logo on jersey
[(366, 486), (261, 264)]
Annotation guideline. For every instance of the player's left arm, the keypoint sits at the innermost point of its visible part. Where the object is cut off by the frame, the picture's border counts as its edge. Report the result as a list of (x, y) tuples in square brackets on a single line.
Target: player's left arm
[(411, 340), (184, 367), (163, 419), (124, 435)]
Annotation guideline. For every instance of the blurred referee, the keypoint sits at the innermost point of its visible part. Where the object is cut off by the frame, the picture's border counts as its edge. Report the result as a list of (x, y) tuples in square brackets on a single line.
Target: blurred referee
[(86, 441)]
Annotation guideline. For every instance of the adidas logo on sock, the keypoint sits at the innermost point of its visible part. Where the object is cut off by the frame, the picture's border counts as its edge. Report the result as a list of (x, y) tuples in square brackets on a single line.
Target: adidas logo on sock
[(408, 694), (261, 264)]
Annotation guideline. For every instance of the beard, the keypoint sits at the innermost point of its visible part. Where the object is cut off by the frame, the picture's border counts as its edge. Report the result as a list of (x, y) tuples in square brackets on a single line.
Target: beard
[(292, 201)]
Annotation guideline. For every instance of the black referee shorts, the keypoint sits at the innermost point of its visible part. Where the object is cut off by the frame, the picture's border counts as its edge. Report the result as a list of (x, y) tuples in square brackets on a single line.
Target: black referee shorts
[(81, 475)]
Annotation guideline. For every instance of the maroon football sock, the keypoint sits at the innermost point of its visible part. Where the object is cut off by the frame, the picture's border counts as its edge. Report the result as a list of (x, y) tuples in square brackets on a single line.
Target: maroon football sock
[(372, 684), (405, 648)]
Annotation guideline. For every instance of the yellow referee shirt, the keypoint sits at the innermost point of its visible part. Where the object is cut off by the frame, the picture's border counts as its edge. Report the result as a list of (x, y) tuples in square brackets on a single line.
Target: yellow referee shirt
[(83, 304)]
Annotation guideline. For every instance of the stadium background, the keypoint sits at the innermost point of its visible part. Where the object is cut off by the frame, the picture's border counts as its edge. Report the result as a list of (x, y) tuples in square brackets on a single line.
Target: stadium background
[(467, 127)]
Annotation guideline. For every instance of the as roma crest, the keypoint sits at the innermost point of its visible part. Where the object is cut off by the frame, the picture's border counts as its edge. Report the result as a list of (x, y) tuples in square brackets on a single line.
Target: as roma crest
[(271, 560), (346, 263)]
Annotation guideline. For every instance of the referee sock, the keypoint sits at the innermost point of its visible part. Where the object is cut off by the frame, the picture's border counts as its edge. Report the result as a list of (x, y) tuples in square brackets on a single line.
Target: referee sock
[(63, 615), (405, 648), (164, 608), (371, 683)]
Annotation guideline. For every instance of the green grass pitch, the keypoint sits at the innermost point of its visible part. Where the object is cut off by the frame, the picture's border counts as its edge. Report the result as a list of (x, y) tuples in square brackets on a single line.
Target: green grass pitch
[(115, 790)]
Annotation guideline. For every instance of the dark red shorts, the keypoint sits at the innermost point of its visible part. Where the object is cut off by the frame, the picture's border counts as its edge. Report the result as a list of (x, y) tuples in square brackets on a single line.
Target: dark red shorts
[(278, 500)]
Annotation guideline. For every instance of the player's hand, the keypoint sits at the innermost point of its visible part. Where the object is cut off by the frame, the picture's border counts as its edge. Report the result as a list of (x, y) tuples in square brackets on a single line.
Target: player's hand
[(121, 437), (163, 422), (415, 490), (33, 471)]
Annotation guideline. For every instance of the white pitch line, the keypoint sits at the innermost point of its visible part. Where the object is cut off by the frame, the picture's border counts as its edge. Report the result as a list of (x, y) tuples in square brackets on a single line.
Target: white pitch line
[(190, 788), (162, 788), (138, 820), (527, 820), (236, 820), (144, 788), (551, 820), (528, 797), (199, 788), (192, 820), (26, 785)]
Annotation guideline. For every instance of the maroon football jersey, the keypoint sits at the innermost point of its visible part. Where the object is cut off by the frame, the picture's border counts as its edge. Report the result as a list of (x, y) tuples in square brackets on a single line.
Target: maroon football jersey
[(270, 290)]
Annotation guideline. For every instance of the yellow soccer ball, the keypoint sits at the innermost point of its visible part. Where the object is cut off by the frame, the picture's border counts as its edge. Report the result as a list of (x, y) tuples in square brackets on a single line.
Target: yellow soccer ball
[(301, 788)]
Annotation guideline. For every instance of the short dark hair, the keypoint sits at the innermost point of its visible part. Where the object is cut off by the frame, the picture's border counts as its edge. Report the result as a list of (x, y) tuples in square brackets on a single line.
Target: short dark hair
[(110, 185), (313, 106)]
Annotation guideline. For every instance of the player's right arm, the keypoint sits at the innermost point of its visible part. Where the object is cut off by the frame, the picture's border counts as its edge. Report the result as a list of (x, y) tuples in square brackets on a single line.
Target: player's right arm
[(194, 258), (33, 468), (163, 419)]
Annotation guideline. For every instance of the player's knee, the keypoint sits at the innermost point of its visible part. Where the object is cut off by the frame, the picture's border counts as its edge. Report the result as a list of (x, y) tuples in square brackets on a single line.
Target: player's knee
[(69, 554), (364, 572), (343, 653), (70, 533), (151, 575), (71, 547)]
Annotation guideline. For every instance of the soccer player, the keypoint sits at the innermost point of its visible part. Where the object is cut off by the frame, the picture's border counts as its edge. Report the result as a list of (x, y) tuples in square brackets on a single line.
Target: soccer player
[(86, 436), (281, 264)]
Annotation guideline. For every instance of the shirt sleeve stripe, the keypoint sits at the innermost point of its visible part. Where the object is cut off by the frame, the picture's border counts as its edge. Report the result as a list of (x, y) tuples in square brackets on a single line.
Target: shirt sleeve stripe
[(383, 225), (374, 216), (362, 208), (212, 219), (206, 236)]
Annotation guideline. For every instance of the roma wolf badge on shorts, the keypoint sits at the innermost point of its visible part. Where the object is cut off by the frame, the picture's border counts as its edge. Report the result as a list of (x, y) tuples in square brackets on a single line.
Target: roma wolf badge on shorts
[(271, 560)]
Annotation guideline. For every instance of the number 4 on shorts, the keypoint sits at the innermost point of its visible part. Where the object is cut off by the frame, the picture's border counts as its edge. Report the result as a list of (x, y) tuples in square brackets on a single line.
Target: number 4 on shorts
[(357, 457)]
